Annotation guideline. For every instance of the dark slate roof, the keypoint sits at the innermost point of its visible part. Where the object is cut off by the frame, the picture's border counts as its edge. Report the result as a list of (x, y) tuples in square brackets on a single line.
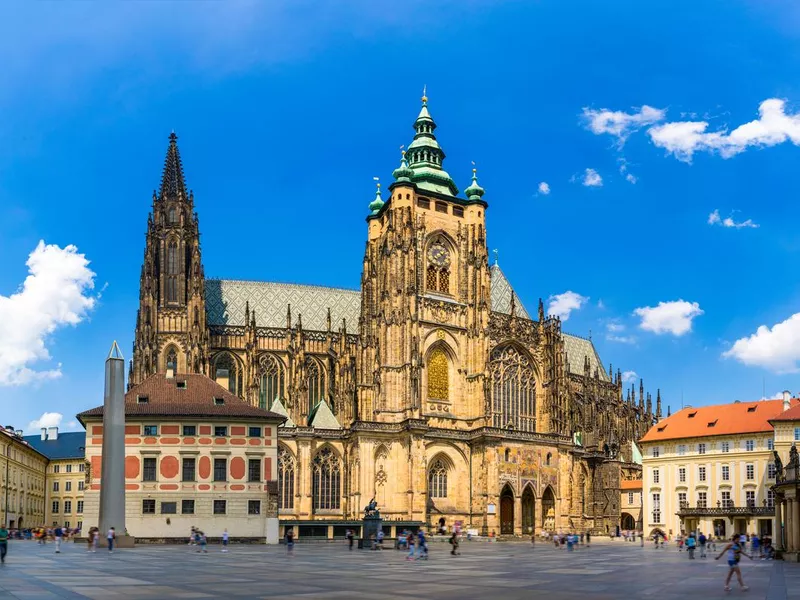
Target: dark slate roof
[(165, 398), (69, 444)]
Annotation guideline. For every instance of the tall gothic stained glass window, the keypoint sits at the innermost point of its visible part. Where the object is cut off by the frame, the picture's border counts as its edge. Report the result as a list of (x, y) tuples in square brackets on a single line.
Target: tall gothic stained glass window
[(513, 390), (272, 380), (315, 378), (172, 272), (438, 375), (437, 275), (325, 481), (437, 480), (285, 478), (225, 367), (172, 359)]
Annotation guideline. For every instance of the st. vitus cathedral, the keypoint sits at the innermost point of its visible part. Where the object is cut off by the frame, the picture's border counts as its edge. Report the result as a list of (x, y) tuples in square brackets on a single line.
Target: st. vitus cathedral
[(432, 389)]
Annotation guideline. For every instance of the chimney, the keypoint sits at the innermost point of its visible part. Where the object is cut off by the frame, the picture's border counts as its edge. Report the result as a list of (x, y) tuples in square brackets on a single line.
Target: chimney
[(44, 433), (787, 396), (170, 373), (52, 433)]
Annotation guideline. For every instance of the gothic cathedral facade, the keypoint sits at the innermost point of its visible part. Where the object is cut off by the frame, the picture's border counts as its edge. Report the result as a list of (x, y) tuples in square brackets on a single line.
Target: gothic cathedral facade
[(430, 389)]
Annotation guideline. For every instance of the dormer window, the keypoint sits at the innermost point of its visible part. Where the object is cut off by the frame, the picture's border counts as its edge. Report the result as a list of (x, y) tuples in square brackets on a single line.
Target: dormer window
[(751, 409), (692, 415), (181, 385), (712, 423), (219, 401), (142, 399)]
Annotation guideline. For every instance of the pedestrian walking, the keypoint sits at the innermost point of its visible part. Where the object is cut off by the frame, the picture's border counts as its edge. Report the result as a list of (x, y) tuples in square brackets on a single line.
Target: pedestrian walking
[(734, 550), (349, 535), (410, 544), (691, 542), (701, 540), (203, 542), (58, 534), (111, 536), (755, 545), (422, 548), (290, 541), (588, 539), (225, 541), (3, 543), (454, 543)]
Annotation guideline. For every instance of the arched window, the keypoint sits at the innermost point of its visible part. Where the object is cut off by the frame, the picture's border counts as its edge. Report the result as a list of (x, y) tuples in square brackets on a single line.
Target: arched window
[(508, 455), (513, 390), (226, 368), (438, 375), (548, 459), (172, 272), (325, 481), (172, 359), (437, 480), (172, 218), (285, 478), (272, 378), (315, 378), (437, 274)]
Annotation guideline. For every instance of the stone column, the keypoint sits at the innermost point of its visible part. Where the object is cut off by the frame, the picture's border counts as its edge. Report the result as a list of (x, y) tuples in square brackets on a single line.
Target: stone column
[(112, 475), (793, 523), (777, 529), (788, 529)]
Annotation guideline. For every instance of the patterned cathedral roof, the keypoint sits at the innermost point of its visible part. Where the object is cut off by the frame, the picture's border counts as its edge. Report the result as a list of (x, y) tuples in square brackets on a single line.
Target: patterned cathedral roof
[(226, 300)]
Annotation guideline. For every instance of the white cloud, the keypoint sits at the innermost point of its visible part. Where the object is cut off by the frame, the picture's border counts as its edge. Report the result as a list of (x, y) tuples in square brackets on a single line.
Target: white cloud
[(773, 126), (623, 170), (54, 294), (715, 219), (48, 419), (591, 178), (614, 327), (544, 188), (628, 376), (776, 348), (562, 305), (621, 339), (673, 317), (621, 124)]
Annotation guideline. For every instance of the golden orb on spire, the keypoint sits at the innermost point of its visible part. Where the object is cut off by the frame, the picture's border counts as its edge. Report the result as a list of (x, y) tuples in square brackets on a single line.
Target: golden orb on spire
[(425, 94)]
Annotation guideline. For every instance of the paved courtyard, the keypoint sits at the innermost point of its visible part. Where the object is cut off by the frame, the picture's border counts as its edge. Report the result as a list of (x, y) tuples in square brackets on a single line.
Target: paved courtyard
[(606, 571)]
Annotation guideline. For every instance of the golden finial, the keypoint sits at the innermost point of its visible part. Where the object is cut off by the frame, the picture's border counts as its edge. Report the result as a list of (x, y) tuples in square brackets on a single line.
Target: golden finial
[(377, 181), (425, 94)]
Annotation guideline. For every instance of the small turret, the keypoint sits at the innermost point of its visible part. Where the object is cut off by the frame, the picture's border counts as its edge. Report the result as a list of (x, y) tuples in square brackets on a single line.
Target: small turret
[(541, 311), (377, 204), (658, 404), (403, 173), (474, 192)]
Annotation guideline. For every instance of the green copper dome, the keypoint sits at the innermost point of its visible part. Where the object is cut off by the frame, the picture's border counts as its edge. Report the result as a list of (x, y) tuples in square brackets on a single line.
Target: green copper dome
[(425, 157), (403, 173), (474, 191), (377, 204)]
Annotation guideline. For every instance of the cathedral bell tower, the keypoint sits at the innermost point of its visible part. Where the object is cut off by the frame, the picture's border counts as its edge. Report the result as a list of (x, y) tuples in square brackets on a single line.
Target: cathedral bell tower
[(171, 329), (425, 293)]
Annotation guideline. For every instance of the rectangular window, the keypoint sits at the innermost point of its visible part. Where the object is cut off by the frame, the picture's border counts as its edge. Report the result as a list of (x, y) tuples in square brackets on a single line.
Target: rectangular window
[(656, 452), (69, 468), (254, 469), (630, 497), (55, 507), (169, 508), (148, 506), (682, 474), (188, 469), (66, 524), (57, 468), (701, 448), (726, 473), (254, 431), (656, 508), (187, 507), (151, 429), (750, 498), (726, 499), (750, 472), (220, 469), (220, 431), (254, 507), (797, 434), (149, 469), (55, 486), (190, 430), (81, 485), (770, 499), (682, 503), (441, 207), (458, 211), (725, 446), (79, 508), (219, 507), (656, 476), (67, 507), (701, 473), (771, 470), (423, 203), (770, 444), (681, 449), (68, 486), (701, 499), (749, 445)]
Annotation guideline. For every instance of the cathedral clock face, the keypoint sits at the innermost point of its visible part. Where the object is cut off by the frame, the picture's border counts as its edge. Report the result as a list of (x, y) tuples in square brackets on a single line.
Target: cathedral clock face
[(438, 255)]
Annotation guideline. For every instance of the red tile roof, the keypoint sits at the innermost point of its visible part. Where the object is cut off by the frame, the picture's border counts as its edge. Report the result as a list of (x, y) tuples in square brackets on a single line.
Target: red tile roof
[(793, 414), (721, 419), (185, 396), (630, 484)]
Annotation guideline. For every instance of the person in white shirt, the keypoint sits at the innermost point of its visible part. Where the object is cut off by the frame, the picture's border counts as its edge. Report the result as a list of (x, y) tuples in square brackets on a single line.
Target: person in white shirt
[(225, 541), (111, 536)]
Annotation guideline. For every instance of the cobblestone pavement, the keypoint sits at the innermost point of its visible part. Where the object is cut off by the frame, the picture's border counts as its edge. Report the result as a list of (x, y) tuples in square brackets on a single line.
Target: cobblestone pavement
[(484, 571)]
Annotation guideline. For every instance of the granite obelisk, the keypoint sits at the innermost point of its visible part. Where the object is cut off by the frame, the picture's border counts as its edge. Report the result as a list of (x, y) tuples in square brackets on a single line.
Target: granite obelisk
[(112, 476)]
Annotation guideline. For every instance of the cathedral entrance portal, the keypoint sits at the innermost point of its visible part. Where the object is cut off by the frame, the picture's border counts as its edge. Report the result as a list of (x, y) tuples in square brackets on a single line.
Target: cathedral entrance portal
[(528, 509), (507, 511), (549, 510)]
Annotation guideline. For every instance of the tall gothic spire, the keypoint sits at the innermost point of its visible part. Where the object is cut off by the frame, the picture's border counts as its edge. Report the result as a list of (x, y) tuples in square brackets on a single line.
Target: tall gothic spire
[(425, 156), (172, 182)]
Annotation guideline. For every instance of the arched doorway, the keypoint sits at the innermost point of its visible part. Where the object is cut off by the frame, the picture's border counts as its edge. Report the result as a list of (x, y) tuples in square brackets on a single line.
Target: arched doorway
[(627, 522), (507, 511), (528, 509), (549, 510), (719, 528)]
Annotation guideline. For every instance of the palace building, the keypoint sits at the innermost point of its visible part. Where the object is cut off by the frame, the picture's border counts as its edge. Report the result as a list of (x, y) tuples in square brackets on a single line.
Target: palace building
[(431, 388)]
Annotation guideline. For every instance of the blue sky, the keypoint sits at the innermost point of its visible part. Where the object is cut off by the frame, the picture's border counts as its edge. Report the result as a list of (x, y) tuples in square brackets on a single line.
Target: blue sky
[(286, 111)]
